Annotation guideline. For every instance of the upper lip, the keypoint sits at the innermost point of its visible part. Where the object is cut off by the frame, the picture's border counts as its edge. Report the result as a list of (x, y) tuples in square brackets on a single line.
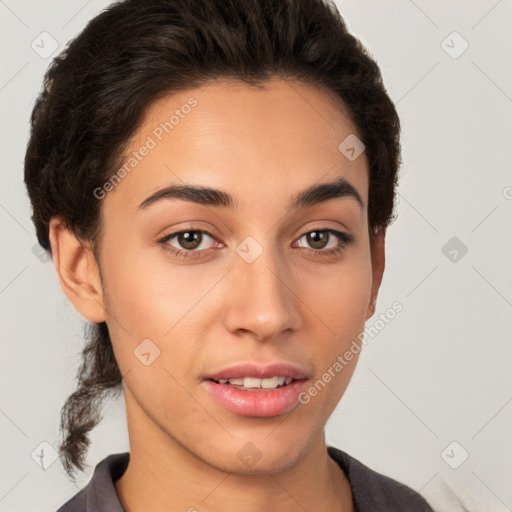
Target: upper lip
[(259, 371)]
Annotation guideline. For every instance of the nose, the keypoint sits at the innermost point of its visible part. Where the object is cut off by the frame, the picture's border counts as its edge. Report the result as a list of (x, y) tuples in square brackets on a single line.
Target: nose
[(261, 300)]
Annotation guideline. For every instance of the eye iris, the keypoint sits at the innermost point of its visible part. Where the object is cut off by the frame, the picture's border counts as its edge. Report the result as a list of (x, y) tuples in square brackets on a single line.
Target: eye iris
[(317, 239), (190, 239)]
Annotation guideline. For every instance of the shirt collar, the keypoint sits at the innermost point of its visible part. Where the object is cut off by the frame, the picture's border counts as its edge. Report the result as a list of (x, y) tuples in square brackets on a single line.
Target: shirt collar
[(100, 493)]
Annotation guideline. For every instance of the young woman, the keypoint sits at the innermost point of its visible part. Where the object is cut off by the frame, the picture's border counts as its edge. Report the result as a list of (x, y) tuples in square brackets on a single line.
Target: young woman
[(214, 180)]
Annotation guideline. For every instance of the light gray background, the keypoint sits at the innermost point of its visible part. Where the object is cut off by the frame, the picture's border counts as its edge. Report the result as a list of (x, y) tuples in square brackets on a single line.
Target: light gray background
[(439, 372)]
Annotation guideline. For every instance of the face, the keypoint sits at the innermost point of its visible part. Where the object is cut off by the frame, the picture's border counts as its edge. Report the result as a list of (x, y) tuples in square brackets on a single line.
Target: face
[(208, 297)]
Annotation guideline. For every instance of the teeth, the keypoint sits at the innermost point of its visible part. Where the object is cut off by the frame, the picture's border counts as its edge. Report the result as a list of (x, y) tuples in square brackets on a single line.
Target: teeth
[(272, 382), (252, 382)]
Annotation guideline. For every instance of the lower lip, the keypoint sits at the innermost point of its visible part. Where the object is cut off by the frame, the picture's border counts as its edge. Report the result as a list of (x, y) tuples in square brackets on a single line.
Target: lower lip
[(257, 403)]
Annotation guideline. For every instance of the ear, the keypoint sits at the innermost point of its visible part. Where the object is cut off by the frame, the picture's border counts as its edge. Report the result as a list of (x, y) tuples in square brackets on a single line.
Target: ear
[(78, 272), (378, 263)]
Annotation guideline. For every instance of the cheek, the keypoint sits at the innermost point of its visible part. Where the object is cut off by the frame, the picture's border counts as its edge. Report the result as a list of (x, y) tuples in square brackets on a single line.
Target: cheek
[(148, 294), (340, 302), (340, 296), (150, 299)]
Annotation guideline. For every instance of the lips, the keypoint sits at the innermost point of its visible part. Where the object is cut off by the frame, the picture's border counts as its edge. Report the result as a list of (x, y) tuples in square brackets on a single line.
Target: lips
[(242, 371), (257, 391)]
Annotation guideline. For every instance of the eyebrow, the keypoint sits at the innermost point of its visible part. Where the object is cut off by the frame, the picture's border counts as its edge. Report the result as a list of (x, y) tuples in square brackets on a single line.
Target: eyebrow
[(310, 196)]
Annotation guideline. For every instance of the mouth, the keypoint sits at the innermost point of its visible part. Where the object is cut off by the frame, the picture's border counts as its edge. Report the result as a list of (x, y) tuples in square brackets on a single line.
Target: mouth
[(257, 391), (255, 384)]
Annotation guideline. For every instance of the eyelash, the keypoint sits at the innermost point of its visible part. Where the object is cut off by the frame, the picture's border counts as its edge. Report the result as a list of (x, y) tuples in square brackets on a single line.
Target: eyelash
[(345, 239)]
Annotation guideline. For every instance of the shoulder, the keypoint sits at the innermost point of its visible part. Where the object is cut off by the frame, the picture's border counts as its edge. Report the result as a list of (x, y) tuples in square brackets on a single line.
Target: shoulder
[(75, 504), (373, 491), (99, 493)]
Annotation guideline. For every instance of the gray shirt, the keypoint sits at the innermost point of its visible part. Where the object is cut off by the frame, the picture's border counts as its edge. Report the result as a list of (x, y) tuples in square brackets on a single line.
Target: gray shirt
[(371, 491)]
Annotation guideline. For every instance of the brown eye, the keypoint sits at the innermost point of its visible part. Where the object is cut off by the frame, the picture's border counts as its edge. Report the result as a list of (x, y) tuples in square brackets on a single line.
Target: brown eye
[(317, 239), (190, 240), (325, 242)]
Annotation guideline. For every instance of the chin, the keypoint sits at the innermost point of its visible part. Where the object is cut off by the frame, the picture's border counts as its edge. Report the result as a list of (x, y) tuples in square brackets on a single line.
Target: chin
[(263, 458)]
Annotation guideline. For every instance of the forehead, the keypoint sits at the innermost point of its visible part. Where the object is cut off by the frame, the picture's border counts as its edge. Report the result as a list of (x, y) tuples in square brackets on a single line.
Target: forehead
[(257, 142)]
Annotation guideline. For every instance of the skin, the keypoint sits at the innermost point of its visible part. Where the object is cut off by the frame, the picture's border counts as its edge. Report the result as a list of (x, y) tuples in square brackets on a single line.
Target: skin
[(262, 146)]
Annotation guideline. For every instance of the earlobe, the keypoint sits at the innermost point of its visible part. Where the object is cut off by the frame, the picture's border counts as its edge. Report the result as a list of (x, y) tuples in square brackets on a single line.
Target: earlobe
[(378, 264), (77, 271)]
